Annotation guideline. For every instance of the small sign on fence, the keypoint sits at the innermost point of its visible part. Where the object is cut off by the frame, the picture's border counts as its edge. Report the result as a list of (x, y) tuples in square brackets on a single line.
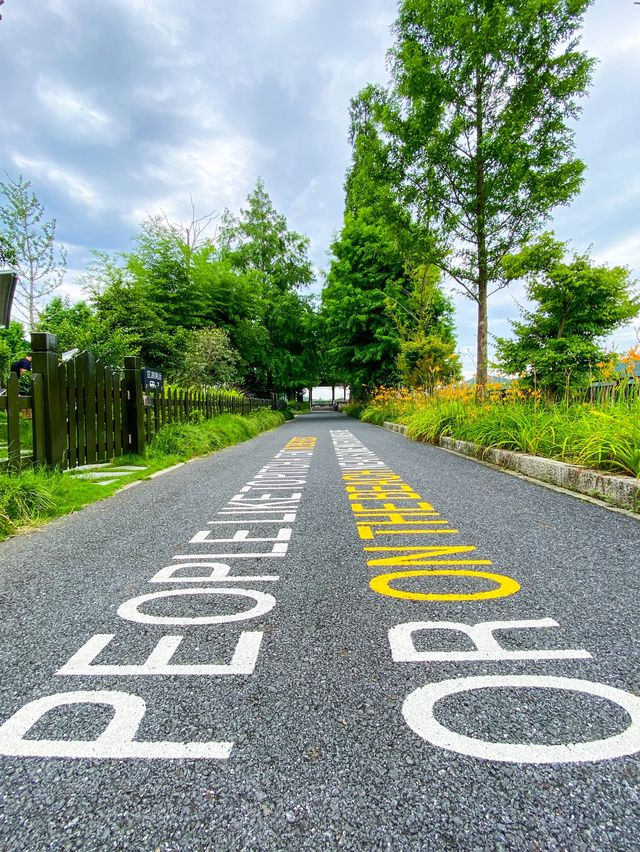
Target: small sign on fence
[(152, 380)]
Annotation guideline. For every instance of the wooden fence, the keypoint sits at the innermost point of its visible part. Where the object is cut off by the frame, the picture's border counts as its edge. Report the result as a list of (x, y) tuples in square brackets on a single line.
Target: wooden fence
[(84, 412)]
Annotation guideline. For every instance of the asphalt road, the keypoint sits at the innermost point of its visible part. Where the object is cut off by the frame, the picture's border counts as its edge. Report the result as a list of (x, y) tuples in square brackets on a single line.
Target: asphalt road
[(283, 714)]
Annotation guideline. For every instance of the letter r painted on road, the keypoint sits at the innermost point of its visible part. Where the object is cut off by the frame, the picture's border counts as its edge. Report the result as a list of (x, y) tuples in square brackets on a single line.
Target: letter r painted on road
[(403, 649), (116, 741)]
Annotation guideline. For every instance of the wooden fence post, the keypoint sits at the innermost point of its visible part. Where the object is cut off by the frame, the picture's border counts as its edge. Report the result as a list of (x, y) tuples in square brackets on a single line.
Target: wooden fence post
[(46, 363), (135, 404)]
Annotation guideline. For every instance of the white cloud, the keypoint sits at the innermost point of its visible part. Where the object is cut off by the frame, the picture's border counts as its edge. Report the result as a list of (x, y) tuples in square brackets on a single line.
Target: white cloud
[(77, 116), (344, 79), (76, 187), (155, 20), (625, 252), (289, 10), (218, 172), (612, 32)]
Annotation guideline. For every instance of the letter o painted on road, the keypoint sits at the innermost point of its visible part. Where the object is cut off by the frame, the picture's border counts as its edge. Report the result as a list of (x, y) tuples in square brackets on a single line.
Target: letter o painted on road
[(129, 610), (418, 713), (506, 586)]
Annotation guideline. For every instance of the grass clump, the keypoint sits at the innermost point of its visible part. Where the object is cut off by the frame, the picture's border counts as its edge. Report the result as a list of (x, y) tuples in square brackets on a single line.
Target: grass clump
[(35, 496), (603, 435), (24, 498), (185, 440)]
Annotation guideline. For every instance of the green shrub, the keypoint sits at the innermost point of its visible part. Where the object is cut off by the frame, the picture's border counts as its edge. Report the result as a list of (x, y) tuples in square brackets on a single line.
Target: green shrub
[(354, 409), (298, 407), (185, 440), (24, 497)]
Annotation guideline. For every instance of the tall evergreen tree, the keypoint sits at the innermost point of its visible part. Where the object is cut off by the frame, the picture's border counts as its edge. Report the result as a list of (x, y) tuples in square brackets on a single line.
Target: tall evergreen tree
[(260, 244), (475, 128)]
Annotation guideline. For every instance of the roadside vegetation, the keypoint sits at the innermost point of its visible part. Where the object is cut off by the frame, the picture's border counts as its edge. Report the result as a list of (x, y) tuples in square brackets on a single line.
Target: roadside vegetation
[(602, 434), (33, 497)]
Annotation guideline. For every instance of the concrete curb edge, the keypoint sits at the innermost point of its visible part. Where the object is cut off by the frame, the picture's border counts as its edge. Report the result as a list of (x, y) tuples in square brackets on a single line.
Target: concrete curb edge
[(622, 491)]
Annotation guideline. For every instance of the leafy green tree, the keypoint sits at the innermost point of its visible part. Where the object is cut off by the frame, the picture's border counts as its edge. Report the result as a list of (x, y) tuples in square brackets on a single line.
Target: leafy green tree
[(361, 339), (426, 361), (177, 281), (556, 345), (208, 359), (31, 241), (423, 315), (475, 129), (274, 261), (77, 326), (259, 239), (7, 252), (124, 305), (13, 346)]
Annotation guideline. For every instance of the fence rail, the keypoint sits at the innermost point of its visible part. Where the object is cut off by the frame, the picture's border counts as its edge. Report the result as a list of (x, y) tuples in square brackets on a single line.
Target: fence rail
[(84, 412)]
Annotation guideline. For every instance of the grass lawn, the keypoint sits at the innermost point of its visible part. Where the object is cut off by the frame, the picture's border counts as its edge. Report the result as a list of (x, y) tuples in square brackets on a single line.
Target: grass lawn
[(33, 497)]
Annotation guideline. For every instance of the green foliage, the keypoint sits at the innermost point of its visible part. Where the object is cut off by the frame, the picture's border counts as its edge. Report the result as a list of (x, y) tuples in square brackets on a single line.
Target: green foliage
[(383, 316), (185, 440), (556, 344), (472, 139), (24, 497), (13, 346), (78, 326), (423, 316), (603, 436), (361, 338), (354, 409), (208, 359), (35, 496), (7, 251), (259, 245), (259, 240), (425, 362), (176, 283)]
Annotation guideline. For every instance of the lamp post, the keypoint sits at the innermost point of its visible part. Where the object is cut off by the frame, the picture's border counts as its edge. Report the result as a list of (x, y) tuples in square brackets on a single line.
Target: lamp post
[(8, 281)]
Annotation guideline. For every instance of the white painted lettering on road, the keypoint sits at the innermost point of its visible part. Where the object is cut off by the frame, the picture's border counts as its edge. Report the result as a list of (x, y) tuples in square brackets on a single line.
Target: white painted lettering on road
[(116, 741), (130, 610), (243, 661), (418, 710), (403, 649), (218, 572)]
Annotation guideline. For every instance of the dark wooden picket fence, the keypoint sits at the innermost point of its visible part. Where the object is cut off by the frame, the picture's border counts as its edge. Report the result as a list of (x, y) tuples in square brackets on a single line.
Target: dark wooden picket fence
[(84, 412)]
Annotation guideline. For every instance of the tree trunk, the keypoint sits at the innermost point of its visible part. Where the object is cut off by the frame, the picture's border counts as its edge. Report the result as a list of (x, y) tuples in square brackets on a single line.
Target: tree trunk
[(481, 243), (482, 342)]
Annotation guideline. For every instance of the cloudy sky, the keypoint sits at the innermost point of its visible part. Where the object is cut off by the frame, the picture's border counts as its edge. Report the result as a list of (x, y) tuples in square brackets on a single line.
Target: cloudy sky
[(115, 109)]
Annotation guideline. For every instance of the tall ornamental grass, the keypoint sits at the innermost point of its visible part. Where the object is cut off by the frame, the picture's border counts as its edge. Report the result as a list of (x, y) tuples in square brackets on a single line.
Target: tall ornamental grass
[(603, 435)]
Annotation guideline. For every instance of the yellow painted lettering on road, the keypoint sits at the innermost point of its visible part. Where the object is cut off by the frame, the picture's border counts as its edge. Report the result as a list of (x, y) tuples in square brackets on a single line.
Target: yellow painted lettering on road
[(425, 555), (368, 481), (506, 586), (367, 533), (307, 443), (391, 507)]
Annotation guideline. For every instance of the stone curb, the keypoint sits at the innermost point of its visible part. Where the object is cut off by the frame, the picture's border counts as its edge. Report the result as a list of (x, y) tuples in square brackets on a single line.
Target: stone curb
[(622, 491)]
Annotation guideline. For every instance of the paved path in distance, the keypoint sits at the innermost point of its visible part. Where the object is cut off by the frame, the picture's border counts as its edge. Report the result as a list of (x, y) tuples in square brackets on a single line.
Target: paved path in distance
[(329, 637)]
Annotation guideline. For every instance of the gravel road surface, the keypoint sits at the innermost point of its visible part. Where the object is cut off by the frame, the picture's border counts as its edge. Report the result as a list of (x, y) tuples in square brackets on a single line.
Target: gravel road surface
[(329, 637)]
